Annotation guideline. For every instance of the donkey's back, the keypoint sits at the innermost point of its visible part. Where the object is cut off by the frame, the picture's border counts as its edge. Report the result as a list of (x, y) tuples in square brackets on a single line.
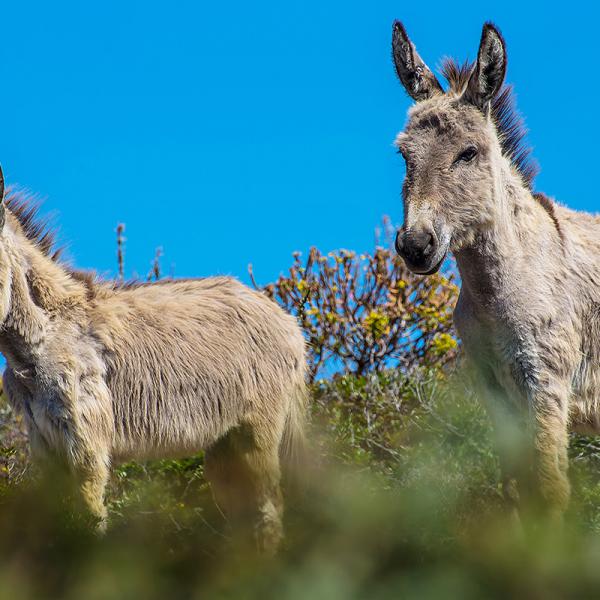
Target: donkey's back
[(187, 361)]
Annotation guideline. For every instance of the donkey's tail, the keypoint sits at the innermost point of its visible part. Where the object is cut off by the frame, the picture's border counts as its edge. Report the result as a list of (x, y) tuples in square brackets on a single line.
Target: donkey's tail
[(292, 451)]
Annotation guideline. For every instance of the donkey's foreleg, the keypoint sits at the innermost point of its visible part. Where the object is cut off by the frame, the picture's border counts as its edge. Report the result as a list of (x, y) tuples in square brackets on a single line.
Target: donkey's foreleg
[(90, 433), (75, 457), (531, 436), (92, 472), (511, 444), (89, 458), (551, 452), (508, 433)]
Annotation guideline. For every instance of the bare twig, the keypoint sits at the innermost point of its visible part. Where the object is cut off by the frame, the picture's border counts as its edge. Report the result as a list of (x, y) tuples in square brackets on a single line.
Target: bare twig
[(121, 250), (155, 272)]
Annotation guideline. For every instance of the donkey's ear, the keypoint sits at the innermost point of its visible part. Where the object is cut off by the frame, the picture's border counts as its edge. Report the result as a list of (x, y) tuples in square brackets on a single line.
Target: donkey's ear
[(415, 76), (2, 207), (488, 75)]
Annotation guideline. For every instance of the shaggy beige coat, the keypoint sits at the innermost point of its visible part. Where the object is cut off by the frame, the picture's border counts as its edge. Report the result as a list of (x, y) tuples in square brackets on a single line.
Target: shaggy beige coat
[(105, 373), (529, 307)]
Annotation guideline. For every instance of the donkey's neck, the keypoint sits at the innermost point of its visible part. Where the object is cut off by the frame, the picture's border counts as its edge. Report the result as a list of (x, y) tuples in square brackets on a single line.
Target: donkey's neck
[(36, 291), (516, 241)]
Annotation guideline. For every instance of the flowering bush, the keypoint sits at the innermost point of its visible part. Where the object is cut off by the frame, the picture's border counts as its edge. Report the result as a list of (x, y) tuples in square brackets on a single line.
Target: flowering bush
[(365, 313)]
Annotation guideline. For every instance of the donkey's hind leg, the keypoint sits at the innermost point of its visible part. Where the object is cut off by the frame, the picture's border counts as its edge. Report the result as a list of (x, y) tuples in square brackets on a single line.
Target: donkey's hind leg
[(244, 472)]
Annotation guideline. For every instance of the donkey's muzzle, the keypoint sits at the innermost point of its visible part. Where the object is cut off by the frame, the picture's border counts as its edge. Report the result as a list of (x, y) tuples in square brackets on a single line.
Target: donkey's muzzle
[(417, 248)]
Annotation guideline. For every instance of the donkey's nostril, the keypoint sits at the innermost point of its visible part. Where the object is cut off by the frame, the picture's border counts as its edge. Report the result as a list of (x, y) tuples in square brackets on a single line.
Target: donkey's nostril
[(428, 245), (416, 247)]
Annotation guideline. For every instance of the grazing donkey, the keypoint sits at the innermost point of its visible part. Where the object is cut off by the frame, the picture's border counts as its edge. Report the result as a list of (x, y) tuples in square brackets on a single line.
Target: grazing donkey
[(529, 307), (105, 372)]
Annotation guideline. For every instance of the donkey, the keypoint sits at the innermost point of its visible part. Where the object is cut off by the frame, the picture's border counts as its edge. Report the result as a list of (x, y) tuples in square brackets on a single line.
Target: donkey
[(528, 312), (104, 372)]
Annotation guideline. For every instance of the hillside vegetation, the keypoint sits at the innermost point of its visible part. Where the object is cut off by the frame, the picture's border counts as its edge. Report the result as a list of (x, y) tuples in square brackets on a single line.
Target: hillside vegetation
[(402, 495)]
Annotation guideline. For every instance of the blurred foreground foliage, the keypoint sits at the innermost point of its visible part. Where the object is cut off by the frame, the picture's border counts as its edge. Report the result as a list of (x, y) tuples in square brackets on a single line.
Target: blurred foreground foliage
[(402, 498)]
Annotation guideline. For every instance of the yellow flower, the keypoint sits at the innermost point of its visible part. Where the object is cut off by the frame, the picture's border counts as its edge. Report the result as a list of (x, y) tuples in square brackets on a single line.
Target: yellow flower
[(377, 324), (443, 343)]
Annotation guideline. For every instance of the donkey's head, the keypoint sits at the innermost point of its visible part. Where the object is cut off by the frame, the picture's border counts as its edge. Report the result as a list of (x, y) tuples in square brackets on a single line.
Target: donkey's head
[(453, 145)]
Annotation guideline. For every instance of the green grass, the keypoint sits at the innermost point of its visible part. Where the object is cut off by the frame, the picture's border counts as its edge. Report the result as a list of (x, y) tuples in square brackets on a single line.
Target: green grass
[(403, 499)]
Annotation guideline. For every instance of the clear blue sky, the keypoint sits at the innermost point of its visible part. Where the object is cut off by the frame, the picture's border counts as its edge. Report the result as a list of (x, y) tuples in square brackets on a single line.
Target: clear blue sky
[(236, 132)]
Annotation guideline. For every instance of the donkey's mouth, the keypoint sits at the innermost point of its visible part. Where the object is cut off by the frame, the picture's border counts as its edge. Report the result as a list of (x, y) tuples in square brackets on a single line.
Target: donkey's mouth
[(432, 270)]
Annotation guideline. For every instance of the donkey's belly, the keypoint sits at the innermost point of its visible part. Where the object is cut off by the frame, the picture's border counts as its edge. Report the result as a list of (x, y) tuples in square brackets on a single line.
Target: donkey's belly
[(170, 427), (584, 406), (584, 418)]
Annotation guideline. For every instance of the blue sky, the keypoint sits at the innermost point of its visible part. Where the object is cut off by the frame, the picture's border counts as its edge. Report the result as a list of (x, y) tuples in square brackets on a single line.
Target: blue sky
[(238, 132)]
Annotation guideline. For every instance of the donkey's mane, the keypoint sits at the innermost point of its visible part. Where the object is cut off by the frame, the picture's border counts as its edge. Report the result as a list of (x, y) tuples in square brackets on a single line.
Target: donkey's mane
[(25, 208), (509, 123), (39, 230)]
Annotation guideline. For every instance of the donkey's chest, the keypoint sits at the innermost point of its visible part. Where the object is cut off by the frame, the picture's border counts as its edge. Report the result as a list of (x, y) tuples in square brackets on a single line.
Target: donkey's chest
[(42, 407), (503, 350), (539, 355), (51, 418), (508, 357)]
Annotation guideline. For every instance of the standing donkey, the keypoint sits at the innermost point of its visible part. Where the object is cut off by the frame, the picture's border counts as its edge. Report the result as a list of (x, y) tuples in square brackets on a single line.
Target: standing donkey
[(529, 307), (104, 373)]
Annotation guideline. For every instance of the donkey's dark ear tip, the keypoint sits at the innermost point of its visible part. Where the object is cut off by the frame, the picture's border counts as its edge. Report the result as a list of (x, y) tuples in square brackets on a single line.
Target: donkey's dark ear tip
[(489, 27), (399, 29), (1, 186)]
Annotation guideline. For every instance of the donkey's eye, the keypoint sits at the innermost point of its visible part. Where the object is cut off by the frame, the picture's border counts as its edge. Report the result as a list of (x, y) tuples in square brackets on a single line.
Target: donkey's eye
[(467, 155)]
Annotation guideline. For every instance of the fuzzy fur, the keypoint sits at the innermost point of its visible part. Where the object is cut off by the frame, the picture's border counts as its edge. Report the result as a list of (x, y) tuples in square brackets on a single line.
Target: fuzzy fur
[(529, 307), (106, 373)]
